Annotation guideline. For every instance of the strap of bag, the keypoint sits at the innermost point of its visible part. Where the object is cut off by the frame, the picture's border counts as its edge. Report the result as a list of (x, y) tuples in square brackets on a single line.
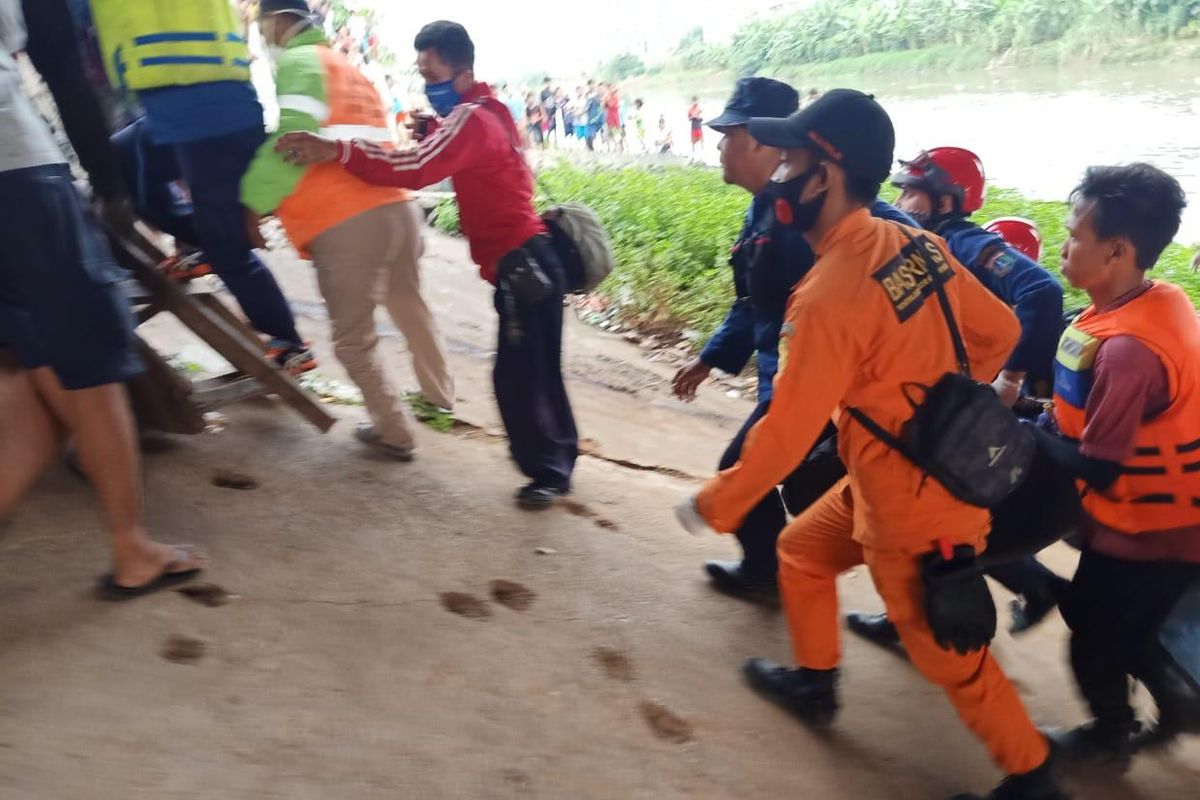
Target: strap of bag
[(960, 354), (960, 349)]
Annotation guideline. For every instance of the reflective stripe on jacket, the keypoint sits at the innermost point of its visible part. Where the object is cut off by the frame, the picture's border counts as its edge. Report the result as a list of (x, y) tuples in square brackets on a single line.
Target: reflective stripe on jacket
[(319, 91), (1159, 488), (150, 44)]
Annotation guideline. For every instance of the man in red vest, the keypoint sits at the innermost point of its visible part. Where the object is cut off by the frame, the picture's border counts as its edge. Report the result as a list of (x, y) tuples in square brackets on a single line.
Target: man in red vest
[(1127, 403)]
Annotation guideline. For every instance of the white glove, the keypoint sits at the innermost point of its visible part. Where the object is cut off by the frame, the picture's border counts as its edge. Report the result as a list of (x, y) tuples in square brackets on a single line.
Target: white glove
[(1008, 390), (689, 517)]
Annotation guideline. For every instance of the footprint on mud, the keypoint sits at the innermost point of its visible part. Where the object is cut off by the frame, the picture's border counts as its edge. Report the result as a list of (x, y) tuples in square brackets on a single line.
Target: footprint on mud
[(517, 778), (580, 510), (616, 664), (513, 595), (665, 724), (206, 594), (465, 605), (228, 479), (183, 649)]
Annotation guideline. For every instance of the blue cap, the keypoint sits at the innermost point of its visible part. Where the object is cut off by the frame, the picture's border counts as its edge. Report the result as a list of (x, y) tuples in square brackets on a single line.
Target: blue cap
[(757, 97)]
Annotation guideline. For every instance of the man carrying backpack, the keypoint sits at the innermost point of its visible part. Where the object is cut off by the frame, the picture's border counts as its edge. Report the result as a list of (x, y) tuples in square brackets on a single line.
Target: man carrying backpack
[(877, 311), (475, 143), (941, 188), (768, 260)]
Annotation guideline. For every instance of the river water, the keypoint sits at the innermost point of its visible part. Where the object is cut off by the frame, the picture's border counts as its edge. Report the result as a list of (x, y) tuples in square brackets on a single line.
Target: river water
[(1036, 130)]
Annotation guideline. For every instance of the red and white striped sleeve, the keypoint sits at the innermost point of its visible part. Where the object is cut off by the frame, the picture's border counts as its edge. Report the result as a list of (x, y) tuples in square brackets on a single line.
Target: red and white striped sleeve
[(454, 146)]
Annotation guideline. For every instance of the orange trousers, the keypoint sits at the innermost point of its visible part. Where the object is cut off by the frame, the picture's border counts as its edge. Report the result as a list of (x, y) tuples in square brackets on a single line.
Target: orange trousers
[(816, 548)]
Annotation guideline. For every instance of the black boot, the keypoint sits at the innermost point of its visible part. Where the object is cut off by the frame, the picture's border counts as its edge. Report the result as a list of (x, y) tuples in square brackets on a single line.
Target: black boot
[(1036, 785), (1177, 697), (810, 694), (1104, 743), (732, 578), (875, 628), (1032, 608)]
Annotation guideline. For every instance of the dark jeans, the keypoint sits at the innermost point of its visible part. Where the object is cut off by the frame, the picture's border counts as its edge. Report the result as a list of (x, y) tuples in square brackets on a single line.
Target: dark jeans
[(528, 375), (763, 524), (1115, 610), (761, 528), (213, 169), (151, 172), (1028, 577)]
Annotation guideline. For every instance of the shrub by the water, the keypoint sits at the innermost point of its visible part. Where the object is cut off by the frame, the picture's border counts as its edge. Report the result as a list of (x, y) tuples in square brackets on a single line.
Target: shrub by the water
[(672, 228)]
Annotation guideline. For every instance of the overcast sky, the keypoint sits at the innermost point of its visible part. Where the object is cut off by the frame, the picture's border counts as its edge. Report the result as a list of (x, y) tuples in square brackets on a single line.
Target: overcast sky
[(566, 38)]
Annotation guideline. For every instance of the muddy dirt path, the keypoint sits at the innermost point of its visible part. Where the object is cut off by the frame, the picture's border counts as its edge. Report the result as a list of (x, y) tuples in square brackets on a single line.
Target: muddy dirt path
[(376, 630)]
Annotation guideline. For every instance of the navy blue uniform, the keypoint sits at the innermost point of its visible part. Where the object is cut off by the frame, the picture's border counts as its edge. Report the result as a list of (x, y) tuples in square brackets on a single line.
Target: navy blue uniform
[(1037, 299), (1035, 296), (768, 260)]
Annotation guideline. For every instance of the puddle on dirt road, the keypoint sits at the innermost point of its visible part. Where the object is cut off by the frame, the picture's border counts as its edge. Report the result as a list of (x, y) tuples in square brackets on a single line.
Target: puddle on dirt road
[(465, 605), (206, 594), (666, 724), (513, 595), (183, 649), (616, 665), (228, 479)]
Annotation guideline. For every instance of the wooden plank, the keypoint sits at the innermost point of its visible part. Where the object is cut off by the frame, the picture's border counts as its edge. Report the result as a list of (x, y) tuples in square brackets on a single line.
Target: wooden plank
[(214, 304), (225, 390), (140, 257), (161, 397)]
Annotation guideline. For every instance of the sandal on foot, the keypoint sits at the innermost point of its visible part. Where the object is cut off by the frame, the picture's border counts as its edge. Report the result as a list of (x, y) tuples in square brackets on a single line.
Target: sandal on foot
[(108, 589)]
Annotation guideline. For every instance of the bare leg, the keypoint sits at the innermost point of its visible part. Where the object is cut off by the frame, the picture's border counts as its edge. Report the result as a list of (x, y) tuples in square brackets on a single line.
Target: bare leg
[(29, 436), (106, 439)]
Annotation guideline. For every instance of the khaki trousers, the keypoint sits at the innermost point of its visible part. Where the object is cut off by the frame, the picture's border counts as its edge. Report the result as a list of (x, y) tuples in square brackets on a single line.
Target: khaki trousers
[(370, 260)]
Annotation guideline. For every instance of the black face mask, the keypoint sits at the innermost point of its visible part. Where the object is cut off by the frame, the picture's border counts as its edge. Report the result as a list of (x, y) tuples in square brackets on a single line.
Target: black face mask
[(789, 210)]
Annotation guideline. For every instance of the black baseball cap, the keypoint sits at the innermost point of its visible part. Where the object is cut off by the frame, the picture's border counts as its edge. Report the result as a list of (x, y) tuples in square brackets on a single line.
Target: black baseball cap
[(756, 97), (266, 7), (844, 126)]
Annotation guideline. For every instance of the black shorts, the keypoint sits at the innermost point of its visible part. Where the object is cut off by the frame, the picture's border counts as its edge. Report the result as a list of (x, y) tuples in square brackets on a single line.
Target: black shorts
[(61, 304)]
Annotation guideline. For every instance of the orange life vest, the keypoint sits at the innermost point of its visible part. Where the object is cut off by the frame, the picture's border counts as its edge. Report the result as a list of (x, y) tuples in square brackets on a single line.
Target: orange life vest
[(328, 195), (1159, 488)]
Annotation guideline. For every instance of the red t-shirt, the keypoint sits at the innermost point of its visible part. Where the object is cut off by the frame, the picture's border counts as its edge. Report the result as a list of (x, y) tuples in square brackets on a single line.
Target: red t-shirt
[(612, 111), (1130, 387)]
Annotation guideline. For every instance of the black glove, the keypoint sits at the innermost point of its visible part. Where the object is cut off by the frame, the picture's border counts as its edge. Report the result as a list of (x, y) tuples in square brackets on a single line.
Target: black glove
[(958, 605)]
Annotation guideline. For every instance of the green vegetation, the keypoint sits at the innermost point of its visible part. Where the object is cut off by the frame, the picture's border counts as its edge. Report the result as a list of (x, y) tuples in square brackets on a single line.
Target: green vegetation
[(622, 67), (672, 228), (828, 30)]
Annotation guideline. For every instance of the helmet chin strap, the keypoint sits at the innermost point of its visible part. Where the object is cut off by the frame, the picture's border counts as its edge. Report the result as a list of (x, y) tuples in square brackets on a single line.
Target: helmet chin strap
[(938, 218)]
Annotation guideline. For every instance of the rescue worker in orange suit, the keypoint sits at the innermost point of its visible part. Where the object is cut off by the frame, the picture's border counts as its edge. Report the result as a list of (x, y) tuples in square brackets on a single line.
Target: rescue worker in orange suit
[(941, 188), (858, 327), (1127, 406), (767, 260)]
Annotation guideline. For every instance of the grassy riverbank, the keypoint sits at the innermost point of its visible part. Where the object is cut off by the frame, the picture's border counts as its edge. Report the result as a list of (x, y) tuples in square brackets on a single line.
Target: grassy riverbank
[(672, 228), (946, 58)]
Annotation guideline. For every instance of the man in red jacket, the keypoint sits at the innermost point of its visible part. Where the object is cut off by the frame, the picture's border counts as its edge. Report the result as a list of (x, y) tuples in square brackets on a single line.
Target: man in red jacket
[(475, 142)]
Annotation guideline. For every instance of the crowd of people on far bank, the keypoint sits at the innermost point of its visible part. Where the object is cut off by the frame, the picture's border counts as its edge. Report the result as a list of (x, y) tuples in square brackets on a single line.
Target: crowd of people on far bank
[(598, 116), (898, 346)]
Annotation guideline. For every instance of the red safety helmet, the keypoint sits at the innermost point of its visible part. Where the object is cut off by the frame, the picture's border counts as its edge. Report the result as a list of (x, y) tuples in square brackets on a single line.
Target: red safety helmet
[(1019, 232), (947, 170)]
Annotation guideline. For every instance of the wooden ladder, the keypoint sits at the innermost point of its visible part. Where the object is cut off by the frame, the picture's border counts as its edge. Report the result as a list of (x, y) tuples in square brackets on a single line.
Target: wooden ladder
[(162, 397)]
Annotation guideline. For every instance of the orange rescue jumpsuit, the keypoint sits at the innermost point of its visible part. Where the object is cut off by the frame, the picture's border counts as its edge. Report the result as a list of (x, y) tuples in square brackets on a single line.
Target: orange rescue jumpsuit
[(862, 323)]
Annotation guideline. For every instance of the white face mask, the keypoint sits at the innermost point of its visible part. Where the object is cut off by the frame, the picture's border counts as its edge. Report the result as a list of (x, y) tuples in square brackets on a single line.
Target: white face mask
[(275, 51)]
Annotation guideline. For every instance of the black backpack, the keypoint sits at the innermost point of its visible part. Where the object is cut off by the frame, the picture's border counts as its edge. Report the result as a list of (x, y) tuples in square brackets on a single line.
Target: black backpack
[(960, 433)]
